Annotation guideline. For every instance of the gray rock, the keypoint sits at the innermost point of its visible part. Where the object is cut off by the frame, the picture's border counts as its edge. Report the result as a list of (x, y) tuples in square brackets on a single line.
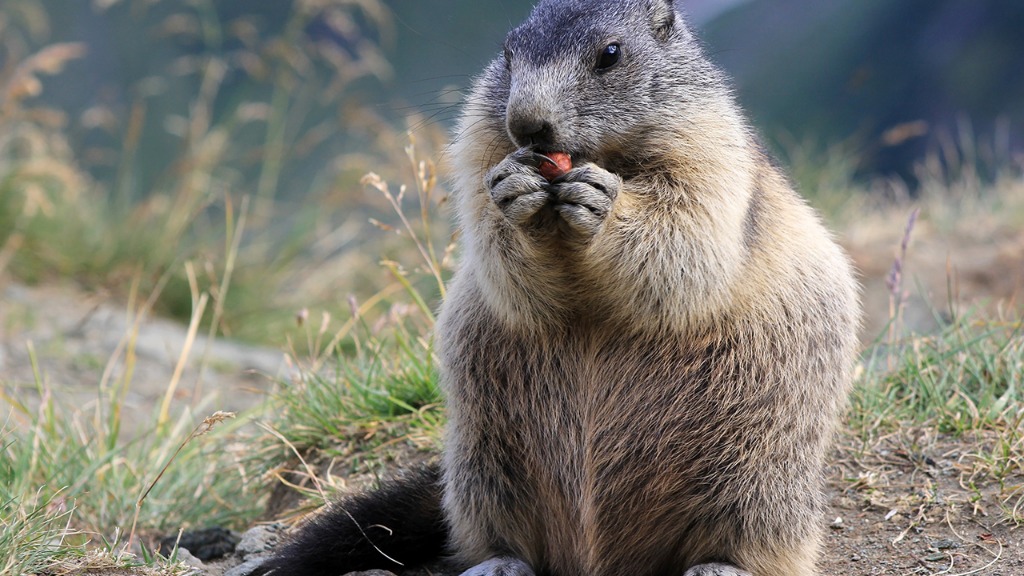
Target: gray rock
[(245, 568), (183, 555), (259, 540)]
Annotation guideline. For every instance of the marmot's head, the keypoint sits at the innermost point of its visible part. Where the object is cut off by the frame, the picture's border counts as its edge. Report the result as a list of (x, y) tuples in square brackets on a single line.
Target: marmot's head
[(597, 78)]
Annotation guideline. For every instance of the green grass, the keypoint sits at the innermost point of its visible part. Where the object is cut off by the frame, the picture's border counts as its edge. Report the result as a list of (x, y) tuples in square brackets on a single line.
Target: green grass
[(69, 472), (354, 416), (965, 377), (386, 374), (32, 524)]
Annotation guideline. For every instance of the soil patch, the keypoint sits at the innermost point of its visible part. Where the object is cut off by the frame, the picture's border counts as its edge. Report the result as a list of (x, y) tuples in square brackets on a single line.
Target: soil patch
[(80, 344), (917, 503)]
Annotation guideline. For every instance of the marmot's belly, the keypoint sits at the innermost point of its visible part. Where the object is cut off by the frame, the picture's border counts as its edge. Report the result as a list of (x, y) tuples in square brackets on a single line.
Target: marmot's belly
[(634, 461)]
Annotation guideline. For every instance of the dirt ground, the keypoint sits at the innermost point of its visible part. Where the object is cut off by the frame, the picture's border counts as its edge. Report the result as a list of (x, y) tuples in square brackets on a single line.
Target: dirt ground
[(79, 340), (916, 504)]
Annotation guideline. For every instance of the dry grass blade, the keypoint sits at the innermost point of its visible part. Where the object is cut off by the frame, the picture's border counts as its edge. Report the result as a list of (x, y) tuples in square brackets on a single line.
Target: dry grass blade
[(201, 429), (24, 82), (193, 327)]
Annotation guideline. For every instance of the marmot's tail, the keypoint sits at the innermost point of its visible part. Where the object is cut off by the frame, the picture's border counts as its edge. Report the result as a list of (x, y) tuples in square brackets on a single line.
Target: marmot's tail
[(401, 524)]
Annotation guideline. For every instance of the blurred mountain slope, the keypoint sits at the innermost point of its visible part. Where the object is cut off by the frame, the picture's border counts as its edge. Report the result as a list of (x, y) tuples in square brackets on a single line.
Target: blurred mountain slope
[(857, 68)]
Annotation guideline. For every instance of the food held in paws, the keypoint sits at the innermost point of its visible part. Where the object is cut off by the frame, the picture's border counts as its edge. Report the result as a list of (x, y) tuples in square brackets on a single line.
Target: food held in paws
[(554, 165)]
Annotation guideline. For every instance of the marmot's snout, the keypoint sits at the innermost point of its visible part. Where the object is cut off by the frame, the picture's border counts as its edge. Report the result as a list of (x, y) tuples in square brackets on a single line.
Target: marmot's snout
[(526, 130), (532, 119)]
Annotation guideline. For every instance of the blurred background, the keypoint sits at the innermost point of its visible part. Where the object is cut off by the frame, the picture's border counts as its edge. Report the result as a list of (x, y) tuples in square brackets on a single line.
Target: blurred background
[(138, 135), (895, 80)]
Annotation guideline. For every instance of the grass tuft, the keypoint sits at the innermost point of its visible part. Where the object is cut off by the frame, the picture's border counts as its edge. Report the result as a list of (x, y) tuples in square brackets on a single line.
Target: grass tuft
[(963, 378), (32, 526), (373, 388)]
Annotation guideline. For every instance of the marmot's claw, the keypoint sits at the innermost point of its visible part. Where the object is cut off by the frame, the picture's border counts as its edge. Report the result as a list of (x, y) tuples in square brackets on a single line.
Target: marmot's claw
[(527, 157)]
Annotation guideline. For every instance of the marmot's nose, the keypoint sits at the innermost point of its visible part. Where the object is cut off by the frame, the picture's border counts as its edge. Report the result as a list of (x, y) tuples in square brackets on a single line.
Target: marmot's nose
[(529, 130)]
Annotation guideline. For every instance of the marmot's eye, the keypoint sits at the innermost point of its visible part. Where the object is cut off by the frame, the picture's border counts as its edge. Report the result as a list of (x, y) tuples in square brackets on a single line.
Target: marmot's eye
[(609, 56)]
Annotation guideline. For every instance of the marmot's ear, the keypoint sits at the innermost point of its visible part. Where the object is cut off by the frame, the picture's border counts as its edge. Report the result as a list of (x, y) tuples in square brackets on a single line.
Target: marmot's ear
[(663, 18)]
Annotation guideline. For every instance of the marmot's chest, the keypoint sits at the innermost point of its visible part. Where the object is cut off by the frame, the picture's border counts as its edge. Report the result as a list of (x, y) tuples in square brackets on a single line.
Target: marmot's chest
[(573, 397)]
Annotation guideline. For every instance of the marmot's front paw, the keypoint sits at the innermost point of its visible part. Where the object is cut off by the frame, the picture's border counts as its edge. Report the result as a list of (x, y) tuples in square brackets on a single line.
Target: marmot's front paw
[(583, 197), (516, 187)]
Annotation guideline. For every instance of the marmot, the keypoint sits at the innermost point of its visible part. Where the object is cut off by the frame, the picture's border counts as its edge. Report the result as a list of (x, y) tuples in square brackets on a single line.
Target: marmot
[(645, 357)]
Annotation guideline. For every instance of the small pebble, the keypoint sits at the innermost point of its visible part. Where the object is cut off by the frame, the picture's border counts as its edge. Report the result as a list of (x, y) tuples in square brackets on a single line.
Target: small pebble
[(945, 544)]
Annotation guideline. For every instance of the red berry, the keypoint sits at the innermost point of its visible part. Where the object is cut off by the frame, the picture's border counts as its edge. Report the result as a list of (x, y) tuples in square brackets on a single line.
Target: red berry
[(554, 165)]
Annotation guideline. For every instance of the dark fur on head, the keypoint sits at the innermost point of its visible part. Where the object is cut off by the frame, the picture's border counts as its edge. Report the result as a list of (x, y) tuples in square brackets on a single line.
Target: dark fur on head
[(549, 92)]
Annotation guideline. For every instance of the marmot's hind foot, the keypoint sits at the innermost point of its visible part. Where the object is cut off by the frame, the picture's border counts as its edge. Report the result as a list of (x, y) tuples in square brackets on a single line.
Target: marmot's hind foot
[(502, 566), (716, 570)]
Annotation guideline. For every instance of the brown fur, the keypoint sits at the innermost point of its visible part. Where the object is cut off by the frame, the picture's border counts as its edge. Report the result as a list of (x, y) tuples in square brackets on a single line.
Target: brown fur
[(658, 391)]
